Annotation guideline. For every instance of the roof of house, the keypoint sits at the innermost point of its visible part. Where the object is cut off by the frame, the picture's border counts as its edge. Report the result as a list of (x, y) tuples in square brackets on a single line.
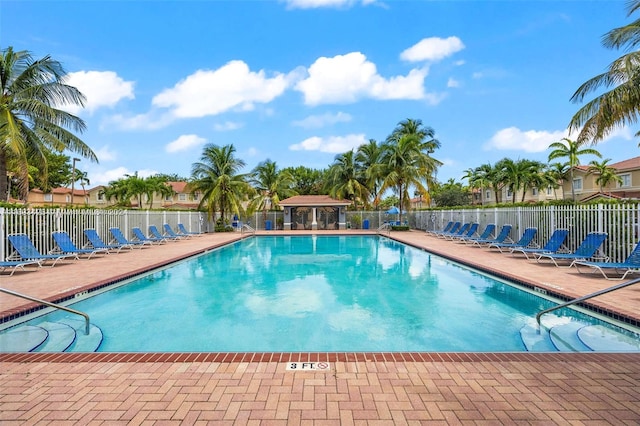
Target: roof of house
[(631, 163), (61, 190), (601, 195), (313, 201), (179, 187)]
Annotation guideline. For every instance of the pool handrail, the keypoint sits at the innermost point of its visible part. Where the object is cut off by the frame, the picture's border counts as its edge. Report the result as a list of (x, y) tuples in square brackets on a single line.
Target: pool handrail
[(52, 305), (385, 226), (583, 298), (248, 227)]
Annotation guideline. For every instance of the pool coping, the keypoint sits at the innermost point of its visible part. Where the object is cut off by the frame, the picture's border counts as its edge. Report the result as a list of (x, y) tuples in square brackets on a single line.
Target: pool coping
[(232, 357), (285, 357)]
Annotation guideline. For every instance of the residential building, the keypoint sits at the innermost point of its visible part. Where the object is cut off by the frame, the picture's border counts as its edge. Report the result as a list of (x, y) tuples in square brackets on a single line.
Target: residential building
[(586, 188)]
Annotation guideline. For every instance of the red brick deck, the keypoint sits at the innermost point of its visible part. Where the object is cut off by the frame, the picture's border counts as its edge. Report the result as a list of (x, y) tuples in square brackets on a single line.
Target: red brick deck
[(443, 388)]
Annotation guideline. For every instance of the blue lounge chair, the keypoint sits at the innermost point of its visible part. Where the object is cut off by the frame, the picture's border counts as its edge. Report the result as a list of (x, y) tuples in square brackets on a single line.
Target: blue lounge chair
[(14, 265), (553, 245), (139, 236), (445, 229), (183, 231), (25, 250), (155, 233), (502, 237), (461, 231), (486, 234), (525, 241), (630, 265), (97, 243), (470, 232), (119, 238), (585, 250), (66, 245), (454, 228), (169, 232)]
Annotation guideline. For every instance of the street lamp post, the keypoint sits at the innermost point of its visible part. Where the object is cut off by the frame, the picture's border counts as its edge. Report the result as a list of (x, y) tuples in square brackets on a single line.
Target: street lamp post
[(73, 177)]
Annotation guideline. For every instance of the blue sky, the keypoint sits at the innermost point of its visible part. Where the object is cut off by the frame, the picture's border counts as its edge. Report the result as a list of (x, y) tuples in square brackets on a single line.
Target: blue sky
[(300, 81)]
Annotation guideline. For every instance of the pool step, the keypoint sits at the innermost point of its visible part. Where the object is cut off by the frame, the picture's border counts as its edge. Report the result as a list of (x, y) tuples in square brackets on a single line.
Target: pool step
[(603, 339), (574, 336), (84, 342), (23, 338), (537, 341), (65, 335), (565, 337), (60, 337)]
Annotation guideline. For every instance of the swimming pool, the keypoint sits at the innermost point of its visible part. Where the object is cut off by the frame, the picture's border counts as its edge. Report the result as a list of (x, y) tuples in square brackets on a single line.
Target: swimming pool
[(318, 294)]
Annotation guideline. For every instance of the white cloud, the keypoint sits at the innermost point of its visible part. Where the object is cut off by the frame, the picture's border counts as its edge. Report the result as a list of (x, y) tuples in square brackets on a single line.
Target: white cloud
[(347, 78), (185, 143), (105, 154), (452, 82), (331, 144), (147, 121), (104, 177), (227, 125), (513, 138), (232, 86), (316, 121), (101, 88), (432, 49), (315, 4)]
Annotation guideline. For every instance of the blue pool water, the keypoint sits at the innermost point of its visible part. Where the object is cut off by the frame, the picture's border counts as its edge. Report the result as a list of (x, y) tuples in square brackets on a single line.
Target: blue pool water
[(314, 293)]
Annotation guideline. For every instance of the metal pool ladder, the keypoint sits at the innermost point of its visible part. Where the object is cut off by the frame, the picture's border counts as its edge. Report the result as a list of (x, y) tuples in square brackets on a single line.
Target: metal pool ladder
[(383, 227), (52, 305), (248, 228), (583, 298)]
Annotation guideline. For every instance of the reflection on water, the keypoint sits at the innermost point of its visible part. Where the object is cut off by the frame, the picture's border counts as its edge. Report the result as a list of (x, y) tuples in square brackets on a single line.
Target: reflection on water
[(314, 293)]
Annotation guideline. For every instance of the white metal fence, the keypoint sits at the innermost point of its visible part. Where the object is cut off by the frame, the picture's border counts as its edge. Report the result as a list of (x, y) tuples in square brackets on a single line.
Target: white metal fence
[(38, 224), (620, 222)]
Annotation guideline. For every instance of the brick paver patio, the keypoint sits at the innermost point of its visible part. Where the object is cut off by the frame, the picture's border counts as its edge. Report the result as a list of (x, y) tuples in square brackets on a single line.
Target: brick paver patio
[(371, 389)]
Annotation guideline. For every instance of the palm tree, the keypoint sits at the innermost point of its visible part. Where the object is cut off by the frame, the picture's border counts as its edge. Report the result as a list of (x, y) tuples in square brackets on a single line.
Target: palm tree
[(426, 135), (156, 184), (557, 174), (419, 142), (571, 150), (405, 165), (270, 185), (619, 106), (606, 174), (368, 157), (346, 179), (83, 178), (216, 177), (30, 123)]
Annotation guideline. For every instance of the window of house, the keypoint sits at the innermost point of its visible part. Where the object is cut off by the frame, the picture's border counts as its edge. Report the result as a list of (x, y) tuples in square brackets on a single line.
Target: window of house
[(168, 197), (182, 197), (509, 193), (534, 191), (67, 198), (626, 180), (100, 197), (487, 195), (577, 184), (196, 196), (48, 197), (549, 190)]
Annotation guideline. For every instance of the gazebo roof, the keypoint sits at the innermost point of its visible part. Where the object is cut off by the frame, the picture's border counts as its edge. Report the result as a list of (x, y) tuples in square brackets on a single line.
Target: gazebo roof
[(313, 201)]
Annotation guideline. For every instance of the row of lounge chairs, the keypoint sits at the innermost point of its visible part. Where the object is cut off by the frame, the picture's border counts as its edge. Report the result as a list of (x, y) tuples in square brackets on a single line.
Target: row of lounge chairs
[(25, 252), (553, 251)]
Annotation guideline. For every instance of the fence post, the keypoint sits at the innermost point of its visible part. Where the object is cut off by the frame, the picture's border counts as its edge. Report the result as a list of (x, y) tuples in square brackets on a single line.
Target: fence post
[(3, 236)]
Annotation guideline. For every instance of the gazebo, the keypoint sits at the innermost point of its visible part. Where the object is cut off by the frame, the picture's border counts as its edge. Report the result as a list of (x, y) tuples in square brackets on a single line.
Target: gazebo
[(314, 212)]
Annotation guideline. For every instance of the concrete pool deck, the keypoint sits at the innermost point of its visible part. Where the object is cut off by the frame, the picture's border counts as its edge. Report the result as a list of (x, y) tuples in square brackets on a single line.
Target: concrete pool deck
[(367, 389)]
